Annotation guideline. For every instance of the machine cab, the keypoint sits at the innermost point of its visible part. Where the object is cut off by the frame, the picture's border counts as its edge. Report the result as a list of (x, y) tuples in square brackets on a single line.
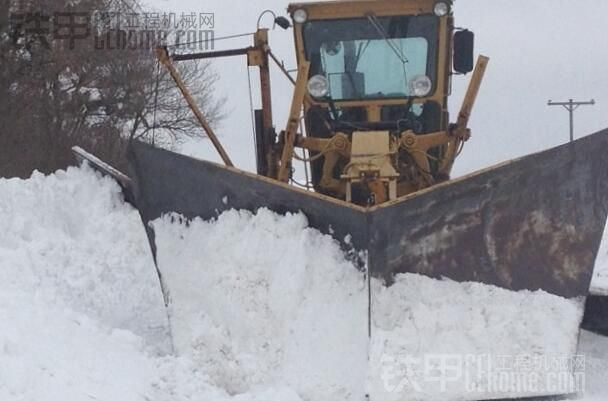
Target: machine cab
[(369, 62), (376, 66)]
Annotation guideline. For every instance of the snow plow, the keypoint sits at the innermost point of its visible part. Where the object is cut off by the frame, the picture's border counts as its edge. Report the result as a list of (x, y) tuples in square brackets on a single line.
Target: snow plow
[(370, 125)]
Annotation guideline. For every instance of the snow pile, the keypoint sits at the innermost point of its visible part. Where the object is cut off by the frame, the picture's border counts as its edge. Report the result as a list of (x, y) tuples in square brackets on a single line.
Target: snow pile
[(261, 299), (599, 286), (81, 311), (263, 308), (595, 350), (436, 338), (75, 287), (50, 353), (70, 241)]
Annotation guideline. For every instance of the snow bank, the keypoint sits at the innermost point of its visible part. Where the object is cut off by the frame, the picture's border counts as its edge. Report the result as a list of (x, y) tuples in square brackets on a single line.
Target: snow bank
[(264, 308), (50, 353), (70, 241), (595, 350), (81, 311), (261, 299), (436, 338)]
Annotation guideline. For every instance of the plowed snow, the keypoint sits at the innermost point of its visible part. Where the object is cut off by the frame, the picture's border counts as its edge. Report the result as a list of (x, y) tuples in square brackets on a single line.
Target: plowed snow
[(279, 316)]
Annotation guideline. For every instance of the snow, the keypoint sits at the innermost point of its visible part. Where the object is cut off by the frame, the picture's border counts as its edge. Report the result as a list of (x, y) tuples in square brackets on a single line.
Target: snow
[(76, 302), (253, 321), (595, 349), (468, 330), (50, 353), (287, 315), (69, 240), (81, 312), (263, 307)]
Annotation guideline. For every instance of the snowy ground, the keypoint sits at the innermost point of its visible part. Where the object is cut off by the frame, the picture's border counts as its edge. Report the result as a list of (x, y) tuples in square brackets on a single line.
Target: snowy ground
[(81, 311), (82, 315), (246, 304), (255, 300)]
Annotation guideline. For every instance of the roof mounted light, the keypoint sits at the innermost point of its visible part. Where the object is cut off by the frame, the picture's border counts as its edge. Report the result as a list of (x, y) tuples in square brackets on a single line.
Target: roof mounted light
[(441, 9), (300, 16)]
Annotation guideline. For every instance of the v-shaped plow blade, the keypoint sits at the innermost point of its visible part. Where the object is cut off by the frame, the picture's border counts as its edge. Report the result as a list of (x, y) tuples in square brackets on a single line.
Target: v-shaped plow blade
[(532, 223)]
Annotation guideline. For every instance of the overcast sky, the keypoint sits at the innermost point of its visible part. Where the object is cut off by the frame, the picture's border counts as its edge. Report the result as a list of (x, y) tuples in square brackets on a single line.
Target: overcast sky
[(539, 50)]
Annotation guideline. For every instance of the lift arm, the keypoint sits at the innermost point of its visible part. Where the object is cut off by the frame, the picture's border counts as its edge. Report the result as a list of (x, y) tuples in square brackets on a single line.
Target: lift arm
[(165, 60), (470, 97)]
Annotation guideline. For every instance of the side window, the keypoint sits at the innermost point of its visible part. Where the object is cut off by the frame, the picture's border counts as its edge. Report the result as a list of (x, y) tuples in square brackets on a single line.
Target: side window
[(332, 60)]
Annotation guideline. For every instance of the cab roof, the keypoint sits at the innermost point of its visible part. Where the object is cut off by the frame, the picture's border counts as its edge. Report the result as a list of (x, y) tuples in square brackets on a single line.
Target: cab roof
[(350, 8)]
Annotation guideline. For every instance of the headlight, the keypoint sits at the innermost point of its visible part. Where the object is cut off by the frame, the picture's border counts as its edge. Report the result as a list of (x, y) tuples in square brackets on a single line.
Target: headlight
[(441, 9), (318, 86), (300, 16), (421, 86)]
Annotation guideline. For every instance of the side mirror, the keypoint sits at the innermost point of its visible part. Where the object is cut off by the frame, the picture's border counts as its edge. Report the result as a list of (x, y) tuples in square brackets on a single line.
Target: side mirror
[(282, 22), (464, 45)]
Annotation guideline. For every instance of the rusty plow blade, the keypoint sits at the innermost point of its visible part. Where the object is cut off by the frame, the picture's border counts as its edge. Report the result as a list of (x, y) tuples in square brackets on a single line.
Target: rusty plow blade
[(530, 224)]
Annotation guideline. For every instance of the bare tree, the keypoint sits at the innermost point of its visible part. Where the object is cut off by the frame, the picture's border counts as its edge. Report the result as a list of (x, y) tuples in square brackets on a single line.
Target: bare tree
[(64, 92)]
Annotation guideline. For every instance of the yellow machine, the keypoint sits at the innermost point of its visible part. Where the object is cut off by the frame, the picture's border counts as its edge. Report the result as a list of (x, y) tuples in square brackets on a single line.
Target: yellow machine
[(372, 86), (378, 84), (369, 118)]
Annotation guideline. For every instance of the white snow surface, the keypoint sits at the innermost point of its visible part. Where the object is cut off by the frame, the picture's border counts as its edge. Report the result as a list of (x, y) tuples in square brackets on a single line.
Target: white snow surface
[(595, 350), (81, 311), (263, 307), (260, 299), (464, 332), (70, 241)]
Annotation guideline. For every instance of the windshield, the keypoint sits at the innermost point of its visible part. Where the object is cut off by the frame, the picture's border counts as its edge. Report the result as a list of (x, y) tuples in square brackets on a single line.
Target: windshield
[(372, 57)]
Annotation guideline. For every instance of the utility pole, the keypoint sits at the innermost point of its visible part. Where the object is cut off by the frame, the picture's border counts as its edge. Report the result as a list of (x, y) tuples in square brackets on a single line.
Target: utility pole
[(571, 105)]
